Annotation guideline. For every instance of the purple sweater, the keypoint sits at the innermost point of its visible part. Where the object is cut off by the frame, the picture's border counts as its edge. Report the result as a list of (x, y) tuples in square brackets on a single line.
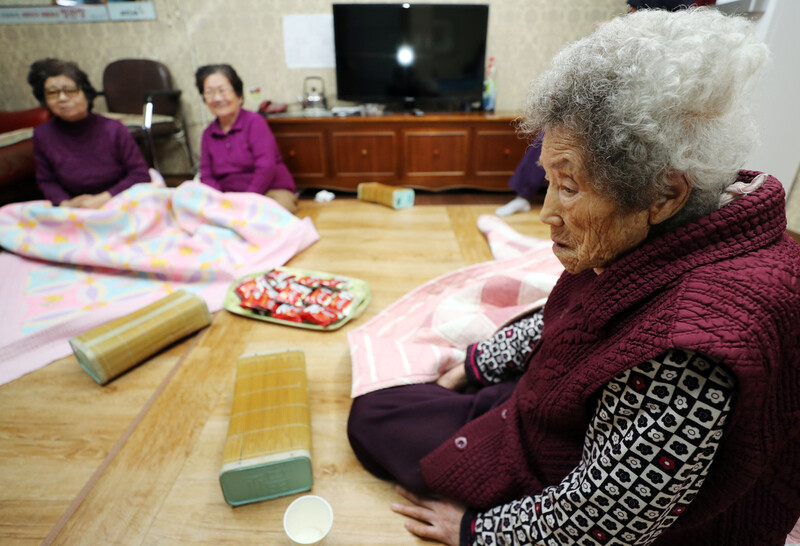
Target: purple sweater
[(88, 156), (726, 285), (245, 159)]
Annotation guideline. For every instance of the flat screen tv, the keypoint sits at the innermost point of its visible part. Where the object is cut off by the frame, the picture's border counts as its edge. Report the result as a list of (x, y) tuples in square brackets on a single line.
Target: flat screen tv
[(411, 55)]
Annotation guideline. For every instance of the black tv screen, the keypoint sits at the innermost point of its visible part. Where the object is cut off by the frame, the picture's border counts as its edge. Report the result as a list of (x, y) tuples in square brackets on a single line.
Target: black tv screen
[(411, 54)]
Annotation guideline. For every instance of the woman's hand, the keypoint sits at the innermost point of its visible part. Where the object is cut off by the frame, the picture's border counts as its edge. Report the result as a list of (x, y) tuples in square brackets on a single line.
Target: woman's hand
[(87, 201), (454, 379), (436, 520), (96, 201), (76, 202)]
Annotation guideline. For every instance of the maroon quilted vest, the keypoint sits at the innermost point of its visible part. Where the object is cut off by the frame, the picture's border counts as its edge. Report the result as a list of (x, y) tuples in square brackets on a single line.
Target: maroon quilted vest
[(728, 286)]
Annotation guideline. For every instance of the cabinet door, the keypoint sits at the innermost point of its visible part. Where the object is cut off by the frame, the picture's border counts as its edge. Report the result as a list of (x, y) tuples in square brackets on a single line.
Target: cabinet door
[(436, 153), (497, 153), (303, 154), (364, 153)]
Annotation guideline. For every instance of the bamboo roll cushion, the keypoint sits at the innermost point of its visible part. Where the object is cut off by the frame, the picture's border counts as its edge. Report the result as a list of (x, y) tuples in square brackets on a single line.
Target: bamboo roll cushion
[(117, 346), (391, 196), (267, 451)]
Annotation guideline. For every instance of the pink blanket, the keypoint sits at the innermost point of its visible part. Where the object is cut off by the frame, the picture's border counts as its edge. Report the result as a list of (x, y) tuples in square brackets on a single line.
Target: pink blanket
[(426, 332), (73, 269)]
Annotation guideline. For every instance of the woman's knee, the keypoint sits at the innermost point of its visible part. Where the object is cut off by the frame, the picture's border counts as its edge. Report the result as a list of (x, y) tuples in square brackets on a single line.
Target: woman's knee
[(284, 198), (362, 418)]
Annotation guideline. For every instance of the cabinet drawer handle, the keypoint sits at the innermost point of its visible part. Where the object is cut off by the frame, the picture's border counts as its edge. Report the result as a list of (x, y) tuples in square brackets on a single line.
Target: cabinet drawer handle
[(364, 151), (292, 153), (507, 152), (435, 151)]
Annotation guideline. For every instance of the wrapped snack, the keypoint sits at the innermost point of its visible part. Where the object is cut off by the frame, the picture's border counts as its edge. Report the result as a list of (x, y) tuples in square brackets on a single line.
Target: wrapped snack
[(341, 301), (334, 282), (293, 293), (317, 314), (251, 301), (267, 303), (288, 313), (279, 279), (262, 292), (320, 296), (246, 288), (308, 280)]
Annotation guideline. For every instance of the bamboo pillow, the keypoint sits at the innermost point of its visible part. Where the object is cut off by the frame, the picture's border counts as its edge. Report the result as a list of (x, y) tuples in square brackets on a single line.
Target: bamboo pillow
[(267, 451), (117, 346)]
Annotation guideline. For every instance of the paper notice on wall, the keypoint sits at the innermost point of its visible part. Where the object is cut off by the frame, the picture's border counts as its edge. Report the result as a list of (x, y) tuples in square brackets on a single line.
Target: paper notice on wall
[(308, 41)]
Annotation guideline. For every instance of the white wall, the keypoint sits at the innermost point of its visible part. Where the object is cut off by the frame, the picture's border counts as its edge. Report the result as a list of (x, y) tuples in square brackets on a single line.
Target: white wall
[(777, 99)]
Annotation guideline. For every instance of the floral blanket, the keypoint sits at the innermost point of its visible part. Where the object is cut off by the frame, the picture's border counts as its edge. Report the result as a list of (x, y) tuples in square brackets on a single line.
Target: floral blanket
[(73, 269)]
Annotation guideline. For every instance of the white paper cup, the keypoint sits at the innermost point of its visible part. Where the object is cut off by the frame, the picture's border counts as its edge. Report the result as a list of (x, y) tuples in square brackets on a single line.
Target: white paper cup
[(308, 520)]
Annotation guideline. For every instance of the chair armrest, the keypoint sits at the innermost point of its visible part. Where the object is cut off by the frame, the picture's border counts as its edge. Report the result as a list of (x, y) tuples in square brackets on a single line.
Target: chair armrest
[(11, 121), (148, 97)]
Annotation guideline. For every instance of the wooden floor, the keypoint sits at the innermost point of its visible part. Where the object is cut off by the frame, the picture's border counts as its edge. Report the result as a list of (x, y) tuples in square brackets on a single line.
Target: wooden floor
[(137, 461)]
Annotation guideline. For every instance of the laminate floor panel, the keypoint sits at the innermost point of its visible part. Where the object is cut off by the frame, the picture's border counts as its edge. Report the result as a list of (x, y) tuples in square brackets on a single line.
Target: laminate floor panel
[(137, 461)]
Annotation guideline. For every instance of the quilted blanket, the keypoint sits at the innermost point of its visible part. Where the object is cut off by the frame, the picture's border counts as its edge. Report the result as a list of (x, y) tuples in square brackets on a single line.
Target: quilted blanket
[(73, 269)]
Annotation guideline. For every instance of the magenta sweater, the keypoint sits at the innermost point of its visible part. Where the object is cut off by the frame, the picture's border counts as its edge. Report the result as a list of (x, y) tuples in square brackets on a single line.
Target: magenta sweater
[(728, 286), (88, 156), (245, 159)]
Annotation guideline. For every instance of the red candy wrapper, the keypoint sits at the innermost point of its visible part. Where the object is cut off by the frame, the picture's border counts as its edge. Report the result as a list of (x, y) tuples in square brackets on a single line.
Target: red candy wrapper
[(317, 314), (279, 279), (320, 296), (341, 301), (267, 304), (311, 282), (288, 312), (246, 288), (293, 293), (334, 283), (250, 302)]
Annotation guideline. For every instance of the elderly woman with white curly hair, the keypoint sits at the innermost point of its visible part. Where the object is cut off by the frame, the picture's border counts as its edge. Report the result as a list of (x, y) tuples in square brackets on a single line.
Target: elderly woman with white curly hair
[(656, 397)]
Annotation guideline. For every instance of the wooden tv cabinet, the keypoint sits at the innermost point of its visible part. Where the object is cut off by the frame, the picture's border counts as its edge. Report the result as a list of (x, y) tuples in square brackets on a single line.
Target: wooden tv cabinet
[(432, 151)]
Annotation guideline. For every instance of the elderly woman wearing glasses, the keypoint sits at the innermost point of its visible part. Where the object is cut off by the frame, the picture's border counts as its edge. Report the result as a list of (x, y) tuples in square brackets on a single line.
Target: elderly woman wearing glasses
[(82, 159), (239, 152), (656, 398)]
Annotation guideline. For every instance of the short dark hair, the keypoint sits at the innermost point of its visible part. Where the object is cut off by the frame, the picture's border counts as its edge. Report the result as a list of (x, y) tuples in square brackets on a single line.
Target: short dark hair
[(47, 68), (226, 70)]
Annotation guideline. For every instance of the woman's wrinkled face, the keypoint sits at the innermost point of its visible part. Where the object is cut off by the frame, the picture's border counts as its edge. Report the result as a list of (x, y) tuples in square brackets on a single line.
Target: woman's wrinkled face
[(220, 97), (65, 99), (588, 230)]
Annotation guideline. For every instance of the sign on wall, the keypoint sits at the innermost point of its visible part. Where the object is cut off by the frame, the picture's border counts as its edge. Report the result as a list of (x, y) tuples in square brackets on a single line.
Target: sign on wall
[(114, 11), (308, 41)]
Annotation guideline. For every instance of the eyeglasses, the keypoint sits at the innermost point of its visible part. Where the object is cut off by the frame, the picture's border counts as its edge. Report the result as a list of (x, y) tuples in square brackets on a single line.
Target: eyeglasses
[(223, 91), (53, 92)]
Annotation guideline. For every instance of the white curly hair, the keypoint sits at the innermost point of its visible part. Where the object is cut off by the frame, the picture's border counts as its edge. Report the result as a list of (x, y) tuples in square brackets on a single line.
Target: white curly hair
[(653, 93)]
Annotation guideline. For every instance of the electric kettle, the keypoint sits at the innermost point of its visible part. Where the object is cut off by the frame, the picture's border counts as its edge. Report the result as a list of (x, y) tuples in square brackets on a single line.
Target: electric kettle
[(312, 98)]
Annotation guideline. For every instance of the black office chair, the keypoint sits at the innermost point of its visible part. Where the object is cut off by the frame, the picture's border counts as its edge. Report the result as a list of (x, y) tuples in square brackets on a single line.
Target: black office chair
[(141, 91)]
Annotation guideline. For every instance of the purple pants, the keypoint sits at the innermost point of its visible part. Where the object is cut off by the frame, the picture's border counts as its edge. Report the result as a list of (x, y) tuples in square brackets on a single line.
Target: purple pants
[(391, 430), (529, 175)]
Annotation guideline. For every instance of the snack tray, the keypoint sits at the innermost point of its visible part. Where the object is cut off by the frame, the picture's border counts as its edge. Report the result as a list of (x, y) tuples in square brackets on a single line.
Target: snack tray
[(360, 289)]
